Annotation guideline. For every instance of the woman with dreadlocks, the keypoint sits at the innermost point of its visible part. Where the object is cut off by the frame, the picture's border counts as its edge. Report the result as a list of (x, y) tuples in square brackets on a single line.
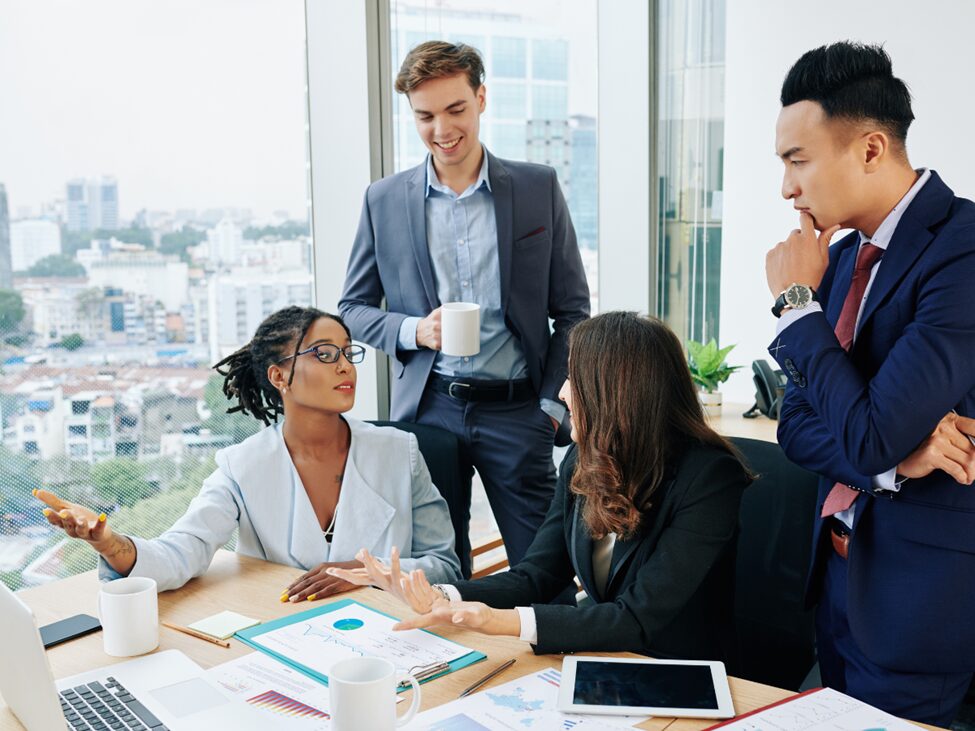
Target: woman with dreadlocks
[(308, 492)]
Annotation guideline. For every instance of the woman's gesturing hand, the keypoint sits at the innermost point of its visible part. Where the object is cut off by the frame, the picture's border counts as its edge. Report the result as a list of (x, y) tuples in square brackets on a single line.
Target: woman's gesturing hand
[(79, 522), (375, 572)]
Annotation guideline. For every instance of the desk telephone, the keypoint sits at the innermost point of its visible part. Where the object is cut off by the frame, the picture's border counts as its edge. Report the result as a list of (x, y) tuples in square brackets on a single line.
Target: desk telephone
[(769, 389)]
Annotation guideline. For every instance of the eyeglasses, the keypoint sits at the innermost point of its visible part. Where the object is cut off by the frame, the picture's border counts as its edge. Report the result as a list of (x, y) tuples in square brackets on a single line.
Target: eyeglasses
[(327, 353)]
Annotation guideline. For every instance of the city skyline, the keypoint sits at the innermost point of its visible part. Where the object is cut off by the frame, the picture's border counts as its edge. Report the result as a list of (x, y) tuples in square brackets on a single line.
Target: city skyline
[(216, 125)]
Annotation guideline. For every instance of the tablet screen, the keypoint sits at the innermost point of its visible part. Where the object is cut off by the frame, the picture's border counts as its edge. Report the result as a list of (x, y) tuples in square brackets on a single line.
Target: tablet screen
[(648, 685)]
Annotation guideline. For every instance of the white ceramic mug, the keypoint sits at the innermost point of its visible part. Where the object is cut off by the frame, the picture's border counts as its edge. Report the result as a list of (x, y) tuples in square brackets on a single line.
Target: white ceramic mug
[(460, 328), (129, 612), (362, 695)]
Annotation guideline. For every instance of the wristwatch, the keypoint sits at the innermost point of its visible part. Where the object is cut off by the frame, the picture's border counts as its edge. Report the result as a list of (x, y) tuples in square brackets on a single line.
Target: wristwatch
[(795, 297)]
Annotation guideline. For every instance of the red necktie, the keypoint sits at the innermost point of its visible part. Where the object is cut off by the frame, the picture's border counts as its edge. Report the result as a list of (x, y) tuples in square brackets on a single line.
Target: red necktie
[(841, 497)]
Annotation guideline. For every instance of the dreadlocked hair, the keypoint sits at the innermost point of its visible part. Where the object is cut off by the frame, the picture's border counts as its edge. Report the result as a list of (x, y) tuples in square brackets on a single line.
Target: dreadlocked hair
[(245, 371)]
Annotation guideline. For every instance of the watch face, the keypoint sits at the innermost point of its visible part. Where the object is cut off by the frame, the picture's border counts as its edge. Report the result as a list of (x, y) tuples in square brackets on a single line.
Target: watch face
[(798, 296)]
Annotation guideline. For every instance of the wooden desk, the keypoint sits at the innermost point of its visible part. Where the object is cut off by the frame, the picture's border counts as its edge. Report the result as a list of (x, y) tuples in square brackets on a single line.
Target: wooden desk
[(253, 587), (731, 423)]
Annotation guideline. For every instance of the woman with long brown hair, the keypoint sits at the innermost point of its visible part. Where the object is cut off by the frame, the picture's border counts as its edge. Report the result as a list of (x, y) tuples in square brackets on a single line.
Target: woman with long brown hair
[(645, 516)]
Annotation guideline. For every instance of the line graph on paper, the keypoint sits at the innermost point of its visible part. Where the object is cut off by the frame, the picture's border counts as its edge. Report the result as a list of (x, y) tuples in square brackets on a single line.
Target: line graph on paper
[(355, 630), (824, 710)]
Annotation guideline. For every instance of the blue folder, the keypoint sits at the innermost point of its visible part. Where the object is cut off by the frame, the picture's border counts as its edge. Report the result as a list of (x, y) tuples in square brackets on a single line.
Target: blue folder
[(247, 637)]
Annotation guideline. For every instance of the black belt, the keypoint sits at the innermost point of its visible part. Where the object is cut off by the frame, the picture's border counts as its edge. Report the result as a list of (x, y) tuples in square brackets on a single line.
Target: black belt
[(465, 389)]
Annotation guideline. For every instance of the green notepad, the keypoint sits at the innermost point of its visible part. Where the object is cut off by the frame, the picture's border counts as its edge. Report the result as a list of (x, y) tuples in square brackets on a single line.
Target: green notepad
[(224, 624)]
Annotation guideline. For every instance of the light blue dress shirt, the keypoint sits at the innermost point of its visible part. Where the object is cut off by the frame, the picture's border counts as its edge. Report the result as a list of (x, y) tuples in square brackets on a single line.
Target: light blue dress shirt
[(462, 238)]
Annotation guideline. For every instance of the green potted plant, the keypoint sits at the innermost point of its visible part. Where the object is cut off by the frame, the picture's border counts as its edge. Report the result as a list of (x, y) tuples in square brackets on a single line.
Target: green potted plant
[(709, 370)]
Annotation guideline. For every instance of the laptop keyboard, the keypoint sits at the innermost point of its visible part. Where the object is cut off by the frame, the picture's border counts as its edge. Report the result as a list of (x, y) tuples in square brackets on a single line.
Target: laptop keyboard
[(109, 706)]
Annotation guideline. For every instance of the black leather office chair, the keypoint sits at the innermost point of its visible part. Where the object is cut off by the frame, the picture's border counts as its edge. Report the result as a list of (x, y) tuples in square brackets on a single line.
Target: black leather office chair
[(776, 635), (441, 452)]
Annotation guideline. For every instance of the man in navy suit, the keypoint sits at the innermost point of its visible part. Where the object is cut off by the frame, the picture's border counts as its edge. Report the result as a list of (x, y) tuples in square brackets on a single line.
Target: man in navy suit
[(467, 226), (877, 337)]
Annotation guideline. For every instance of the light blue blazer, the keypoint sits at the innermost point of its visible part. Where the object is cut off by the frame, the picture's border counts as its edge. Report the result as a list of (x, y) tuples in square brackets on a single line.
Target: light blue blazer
[(387, 499)]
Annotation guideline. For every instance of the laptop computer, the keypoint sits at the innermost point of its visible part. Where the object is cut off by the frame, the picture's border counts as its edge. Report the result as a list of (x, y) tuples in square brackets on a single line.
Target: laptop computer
[(165, 690)]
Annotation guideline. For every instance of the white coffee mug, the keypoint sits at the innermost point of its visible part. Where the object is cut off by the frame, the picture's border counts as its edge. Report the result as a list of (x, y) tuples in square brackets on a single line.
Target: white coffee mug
[(129, 612), (460, 328), (362, 695)]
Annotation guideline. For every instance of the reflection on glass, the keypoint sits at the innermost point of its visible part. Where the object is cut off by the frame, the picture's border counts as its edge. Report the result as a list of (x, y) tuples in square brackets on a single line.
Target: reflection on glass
[(690, 152)]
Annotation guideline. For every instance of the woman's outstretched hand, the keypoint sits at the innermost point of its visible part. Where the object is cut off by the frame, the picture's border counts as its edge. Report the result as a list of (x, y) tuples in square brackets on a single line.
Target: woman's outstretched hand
[(84, 524)]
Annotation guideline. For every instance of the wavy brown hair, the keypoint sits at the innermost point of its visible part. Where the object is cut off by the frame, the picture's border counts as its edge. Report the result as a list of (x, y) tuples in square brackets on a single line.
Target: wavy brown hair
[(635, 410)]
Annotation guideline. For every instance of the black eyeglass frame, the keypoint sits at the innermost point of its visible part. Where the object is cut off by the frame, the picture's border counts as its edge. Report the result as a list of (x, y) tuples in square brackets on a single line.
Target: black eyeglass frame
[(353, 353)]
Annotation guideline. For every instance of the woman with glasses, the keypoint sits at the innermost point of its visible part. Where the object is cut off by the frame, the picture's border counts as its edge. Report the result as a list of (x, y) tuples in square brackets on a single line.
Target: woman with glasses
[(645, 516), (309, 491)]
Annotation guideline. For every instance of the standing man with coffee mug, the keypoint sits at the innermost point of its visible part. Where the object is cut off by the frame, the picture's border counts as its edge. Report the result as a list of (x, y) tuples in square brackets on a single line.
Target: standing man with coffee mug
[(465, 226)]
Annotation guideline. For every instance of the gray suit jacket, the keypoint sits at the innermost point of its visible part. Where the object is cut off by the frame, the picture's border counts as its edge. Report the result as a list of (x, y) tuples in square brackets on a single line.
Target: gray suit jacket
[(541, 274), (387, 500)]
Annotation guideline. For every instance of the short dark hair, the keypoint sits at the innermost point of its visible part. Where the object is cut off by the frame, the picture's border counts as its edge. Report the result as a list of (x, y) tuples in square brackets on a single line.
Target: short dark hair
[(439, 59), (245, 371), (852, 81)]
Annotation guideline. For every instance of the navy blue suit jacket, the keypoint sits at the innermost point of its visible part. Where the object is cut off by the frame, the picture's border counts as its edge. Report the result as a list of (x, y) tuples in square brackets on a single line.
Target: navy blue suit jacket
[(848, 416), (541, 274)]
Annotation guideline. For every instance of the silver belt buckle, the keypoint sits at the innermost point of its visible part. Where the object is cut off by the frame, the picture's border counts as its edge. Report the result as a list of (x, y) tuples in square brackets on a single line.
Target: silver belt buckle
[(450, 389)]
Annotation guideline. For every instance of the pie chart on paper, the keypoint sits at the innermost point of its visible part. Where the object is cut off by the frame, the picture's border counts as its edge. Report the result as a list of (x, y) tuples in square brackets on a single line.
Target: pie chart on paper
[(347, 624)]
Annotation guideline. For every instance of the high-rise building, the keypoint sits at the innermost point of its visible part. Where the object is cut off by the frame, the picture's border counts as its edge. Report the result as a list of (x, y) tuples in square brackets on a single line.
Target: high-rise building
[(31, 241), (6, 265), (584, 177), (92, 204), (76, 204)]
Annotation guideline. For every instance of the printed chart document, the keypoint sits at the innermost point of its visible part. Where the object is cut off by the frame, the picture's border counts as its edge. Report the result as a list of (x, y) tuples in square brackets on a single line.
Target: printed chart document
[(313, 641), (276, 689), (823, 709), (525, 703)]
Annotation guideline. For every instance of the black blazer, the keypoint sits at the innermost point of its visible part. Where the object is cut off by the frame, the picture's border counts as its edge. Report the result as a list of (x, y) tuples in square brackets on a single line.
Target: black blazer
[(670, 591)]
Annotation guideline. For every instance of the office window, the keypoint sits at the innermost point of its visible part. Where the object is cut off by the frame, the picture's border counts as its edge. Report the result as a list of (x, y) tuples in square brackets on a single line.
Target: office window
[(550, 59), (508, 100), (541, 107), (172, 216), (690, 155), (549, 102), (508, 57)]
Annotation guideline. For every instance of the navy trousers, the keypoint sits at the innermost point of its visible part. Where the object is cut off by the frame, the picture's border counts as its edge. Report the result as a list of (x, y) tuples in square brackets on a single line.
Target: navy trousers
[(510, 445), (925, 697)]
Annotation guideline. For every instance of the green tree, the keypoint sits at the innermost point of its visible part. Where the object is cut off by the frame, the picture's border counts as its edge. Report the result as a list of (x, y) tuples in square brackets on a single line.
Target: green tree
[(236, 425), (56, 265), (287, 230), (19, 475), (121, 481), (72, 341), (11, 310), (178, 242), (72, 241)]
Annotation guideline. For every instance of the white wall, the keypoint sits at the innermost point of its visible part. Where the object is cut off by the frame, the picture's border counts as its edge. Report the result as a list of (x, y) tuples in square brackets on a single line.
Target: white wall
[(930, 44)]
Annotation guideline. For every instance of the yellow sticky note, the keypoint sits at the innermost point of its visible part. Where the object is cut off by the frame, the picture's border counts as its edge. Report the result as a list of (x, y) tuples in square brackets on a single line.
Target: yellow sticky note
[(224, 624)]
